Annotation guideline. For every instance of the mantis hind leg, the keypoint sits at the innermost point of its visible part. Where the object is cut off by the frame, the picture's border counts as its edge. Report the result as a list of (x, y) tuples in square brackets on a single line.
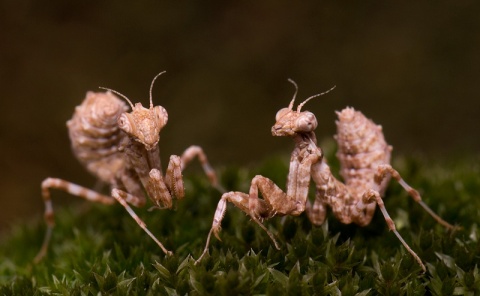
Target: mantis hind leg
[(386, 170), (372, 196), (68, 187)]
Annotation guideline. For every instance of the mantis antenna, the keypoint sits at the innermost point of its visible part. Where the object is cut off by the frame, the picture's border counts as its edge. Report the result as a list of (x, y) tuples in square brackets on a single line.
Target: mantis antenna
[(151, 87), (290, 106), (116, 92), (314, 96)]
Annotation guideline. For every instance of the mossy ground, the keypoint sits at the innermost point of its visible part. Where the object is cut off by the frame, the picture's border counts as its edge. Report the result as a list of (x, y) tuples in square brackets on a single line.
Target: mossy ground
[(101, 250)]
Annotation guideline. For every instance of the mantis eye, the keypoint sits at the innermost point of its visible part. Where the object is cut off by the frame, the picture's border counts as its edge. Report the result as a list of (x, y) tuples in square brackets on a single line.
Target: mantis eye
[(161, 115), (124, 123), (307, 122), (281, 113)]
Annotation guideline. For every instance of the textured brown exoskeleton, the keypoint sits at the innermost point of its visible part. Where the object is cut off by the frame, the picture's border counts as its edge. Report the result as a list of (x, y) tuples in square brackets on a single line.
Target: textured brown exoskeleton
[(121, 149), (365, 166)]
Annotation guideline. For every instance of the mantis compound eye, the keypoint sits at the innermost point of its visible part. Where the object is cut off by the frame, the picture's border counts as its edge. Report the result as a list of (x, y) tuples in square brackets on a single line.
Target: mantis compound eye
[(161, 115), (124, 123), (281, 113), (306, 123)]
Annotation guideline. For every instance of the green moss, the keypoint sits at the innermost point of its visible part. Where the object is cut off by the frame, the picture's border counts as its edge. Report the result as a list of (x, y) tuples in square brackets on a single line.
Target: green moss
[(102, 250)]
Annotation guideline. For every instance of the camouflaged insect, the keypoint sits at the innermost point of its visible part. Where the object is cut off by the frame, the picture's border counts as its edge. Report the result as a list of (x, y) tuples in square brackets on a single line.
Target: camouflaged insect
[(121, 149), (364, 157)]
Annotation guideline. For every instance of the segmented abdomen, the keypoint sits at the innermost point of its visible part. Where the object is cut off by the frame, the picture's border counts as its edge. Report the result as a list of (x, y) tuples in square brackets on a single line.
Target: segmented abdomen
[(361, 148), (95, 135)]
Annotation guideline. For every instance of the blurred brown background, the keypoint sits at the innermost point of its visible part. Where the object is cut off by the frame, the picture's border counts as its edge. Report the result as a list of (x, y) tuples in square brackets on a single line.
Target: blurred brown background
[(411, 66)]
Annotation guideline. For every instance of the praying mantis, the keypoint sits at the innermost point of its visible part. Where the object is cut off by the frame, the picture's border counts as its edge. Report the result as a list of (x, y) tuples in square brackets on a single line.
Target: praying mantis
[(121, 148), (364, 157)]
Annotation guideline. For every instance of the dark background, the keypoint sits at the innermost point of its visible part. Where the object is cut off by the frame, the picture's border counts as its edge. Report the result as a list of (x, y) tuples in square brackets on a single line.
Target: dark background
[(412, 67)]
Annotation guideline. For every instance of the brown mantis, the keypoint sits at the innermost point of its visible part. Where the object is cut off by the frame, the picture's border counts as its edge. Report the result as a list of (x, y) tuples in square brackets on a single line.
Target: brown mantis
[(121, 149), (365, 166)]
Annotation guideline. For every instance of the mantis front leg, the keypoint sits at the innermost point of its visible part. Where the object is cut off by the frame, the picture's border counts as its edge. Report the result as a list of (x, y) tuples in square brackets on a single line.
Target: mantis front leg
[(275, 201), (173, 183), (162, 189), (159, 189), (257, 209)]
